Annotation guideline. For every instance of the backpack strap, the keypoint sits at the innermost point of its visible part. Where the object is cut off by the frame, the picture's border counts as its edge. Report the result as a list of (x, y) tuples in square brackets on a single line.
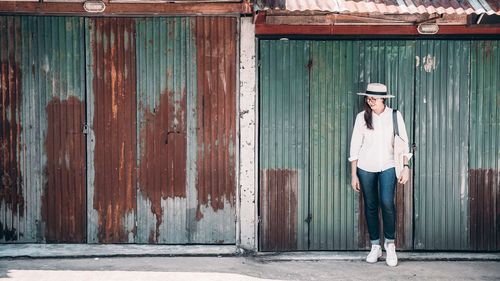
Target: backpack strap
[(395, 122)]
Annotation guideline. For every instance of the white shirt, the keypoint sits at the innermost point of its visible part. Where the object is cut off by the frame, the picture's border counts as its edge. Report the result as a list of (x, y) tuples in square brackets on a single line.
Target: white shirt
[(374, 149)]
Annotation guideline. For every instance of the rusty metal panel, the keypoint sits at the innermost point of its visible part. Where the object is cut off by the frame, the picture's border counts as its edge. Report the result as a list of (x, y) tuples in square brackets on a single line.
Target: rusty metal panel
[(165, 57), (484, 150), (216, 48), (442, 139), (111, 113), (284, 144), (13, 215), (278, 199), (59, 66), (49, 119)]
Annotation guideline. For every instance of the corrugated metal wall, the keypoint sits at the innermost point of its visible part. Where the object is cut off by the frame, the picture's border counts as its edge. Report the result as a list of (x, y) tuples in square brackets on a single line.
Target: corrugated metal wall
[(340, 69), (187, 130), (112, 143), (391, 62), (442, 137), (160, 145), (216, 49), (43, 90), (16, 223), (334, 68), (165, 68), (59, 82), (284, 145), (431, 82), (484, 161)]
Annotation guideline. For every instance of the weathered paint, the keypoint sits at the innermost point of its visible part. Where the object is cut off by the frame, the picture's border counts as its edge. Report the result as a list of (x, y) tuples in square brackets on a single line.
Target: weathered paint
[(11, 181), (163, 59), (216, 112), (484, 148), (64, 197), (284, 124), (248, 108), (111, 43), (58, 77), (484, 197), (442, 138), (278, 200)]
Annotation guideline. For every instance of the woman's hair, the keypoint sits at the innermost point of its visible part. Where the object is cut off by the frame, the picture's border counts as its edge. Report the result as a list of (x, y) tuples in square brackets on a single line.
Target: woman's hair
[(368, 114)]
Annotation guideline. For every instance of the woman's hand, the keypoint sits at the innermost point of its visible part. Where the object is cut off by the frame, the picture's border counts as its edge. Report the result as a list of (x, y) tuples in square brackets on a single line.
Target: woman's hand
[(355, 183), (405, 175)]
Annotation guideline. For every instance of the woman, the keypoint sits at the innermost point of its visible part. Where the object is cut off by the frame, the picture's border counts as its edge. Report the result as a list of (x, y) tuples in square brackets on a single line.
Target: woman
[(372, 166)]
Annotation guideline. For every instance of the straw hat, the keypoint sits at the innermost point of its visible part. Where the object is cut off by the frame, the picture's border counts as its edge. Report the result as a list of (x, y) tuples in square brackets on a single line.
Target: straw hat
[(376, 90)]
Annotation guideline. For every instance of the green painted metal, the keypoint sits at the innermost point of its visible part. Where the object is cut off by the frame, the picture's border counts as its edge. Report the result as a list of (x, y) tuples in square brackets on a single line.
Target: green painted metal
[(332, 93), (442, 137), (485, 105), (284, 119), (340, 70)]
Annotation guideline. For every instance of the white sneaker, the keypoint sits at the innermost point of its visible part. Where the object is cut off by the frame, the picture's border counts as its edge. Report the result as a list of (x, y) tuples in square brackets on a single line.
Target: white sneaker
[(374, 254), (392, 258)]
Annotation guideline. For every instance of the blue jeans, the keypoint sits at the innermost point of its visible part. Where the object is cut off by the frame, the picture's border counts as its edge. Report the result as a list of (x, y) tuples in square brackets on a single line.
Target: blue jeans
[(373, 184)]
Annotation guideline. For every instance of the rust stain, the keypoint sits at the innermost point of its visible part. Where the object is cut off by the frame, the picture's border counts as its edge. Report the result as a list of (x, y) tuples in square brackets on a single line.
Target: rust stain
[(162, 171), (484, 209), (278, 197), (11, 192), (114, 125), (216, 107), (63, 199)]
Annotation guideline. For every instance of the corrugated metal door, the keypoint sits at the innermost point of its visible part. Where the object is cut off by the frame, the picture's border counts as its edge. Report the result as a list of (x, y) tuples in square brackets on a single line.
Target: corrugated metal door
[(391, 62), (442, 138), (484, 161), (187, 130), (43, 111), (339, 70), (111, 115), (284, 145), (307, 109)]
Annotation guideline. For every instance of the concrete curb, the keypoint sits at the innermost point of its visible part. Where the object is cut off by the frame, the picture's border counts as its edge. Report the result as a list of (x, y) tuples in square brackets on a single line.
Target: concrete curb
[(9, 251), (112, 250), (361, 255)]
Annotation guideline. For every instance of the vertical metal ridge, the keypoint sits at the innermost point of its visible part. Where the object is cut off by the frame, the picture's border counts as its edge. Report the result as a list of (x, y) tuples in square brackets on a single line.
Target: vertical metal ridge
[(441, 184), (283, 144), (113, 90), (216, 137)]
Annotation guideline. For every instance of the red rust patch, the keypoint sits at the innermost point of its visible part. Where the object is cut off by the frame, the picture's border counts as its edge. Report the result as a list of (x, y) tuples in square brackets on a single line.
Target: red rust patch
[(216, 111), (64, 200), (11, 191), (484, 200), (114, 88), (278, 209), (162, 171)]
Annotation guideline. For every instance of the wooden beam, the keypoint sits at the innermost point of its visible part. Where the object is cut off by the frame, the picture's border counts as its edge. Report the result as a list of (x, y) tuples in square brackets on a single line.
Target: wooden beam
[(270, 29), (115, 9)]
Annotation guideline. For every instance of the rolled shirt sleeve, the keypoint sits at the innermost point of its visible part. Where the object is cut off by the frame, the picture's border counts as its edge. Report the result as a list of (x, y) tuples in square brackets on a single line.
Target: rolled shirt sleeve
[(357, 138), (404, 135)]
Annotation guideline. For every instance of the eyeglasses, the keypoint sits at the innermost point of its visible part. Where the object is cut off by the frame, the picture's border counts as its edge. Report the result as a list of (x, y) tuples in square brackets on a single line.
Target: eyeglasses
[(371, 99)]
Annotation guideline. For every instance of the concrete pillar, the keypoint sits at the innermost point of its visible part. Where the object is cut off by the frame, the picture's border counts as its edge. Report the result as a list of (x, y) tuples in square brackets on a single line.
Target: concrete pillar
[(248, 138)]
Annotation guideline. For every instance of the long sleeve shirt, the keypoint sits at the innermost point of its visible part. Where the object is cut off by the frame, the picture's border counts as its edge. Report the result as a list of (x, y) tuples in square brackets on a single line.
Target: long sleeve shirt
[(374, 149)]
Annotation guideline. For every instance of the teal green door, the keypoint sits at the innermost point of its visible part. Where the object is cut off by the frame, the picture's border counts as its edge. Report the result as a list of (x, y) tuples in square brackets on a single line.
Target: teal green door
[(307, 109)]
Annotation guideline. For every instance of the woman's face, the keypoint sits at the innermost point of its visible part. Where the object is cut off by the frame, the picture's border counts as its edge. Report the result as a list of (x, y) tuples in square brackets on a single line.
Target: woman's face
[(375, 103)]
